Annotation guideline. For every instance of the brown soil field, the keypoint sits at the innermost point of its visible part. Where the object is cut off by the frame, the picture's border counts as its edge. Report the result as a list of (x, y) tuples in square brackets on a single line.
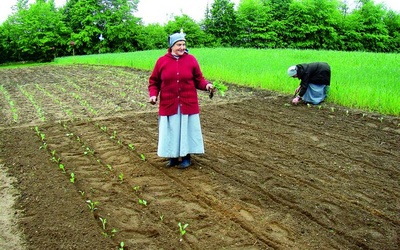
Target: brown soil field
[(274, 176)]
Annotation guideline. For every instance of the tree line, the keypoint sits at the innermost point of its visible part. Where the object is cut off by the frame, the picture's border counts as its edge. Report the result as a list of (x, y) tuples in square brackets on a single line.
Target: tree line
[(40, 31)]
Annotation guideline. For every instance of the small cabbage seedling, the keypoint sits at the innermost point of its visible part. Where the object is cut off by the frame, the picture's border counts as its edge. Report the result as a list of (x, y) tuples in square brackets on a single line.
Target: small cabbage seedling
[(62, 167), (114, 135), (121, 177), (121, 245), (109, 167), (143, 202), (92, 205), (182, 228), (72, 179), (103, 222)]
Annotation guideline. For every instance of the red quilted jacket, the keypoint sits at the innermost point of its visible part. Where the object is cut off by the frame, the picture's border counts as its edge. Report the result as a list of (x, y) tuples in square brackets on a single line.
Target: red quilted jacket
[(176, 81)]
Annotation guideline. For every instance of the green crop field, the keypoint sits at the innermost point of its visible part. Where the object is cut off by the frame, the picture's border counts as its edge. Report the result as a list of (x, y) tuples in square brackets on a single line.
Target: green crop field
[(363, 80)]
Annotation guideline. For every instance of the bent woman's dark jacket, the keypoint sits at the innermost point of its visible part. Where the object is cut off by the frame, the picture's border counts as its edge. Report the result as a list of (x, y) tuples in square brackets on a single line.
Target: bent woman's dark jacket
[(316, 73)]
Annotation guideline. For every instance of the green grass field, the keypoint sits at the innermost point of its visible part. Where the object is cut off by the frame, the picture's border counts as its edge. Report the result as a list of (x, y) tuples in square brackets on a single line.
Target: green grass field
[(369, 81)]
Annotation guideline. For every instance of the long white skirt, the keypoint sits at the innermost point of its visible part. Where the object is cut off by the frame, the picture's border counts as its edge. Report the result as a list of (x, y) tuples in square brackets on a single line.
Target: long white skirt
[(179, 135)]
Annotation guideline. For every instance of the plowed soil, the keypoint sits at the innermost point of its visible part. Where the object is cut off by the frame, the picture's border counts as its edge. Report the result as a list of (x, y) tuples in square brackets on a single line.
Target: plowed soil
[(274, 176)]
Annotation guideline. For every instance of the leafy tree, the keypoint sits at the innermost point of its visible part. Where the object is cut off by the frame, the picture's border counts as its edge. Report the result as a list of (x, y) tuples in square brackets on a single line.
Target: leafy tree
[(102, 25), (254, 17), (220, 22), (86, 21), (194, 35), (312, 24), (392, 23), (35, 33), (364, 29), (120, 28), (152, 36), (279, 9)]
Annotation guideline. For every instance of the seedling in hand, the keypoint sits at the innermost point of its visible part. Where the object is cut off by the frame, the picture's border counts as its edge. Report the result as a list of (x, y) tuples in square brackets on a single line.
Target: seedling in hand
[(220, 87)]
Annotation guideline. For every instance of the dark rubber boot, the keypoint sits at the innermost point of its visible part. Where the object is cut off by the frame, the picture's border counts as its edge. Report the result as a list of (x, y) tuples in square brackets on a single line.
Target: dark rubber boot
[(172, 162), (185, 162)]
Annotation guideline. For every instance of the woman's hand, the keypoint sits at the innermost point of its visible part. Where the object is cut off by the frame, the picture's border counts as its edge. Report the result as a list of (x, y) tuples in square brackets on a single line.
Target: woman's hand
[(296, 100), (153, 99), (210, 87)]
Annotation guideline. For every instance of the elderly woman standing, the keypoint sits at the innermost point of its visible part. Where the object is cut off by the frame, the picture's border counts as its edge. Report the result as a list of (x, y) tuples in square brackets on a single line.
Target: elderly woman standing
[(174, 82)]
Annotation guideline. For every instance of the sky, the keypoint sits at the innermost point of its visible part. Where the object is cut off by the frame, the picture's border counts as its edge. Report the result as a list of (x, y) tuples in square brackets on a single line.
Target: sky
[(161, 11)]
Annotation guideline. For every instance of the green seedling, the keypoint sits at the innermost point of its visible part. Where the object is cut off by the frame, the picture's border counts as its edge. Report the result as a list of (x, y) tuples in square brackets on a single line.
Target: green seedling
[(44, 146), (55, 159), (380, 119), (121, 245), (114, 135), (142, 157), (131, 146), (113, 232), (103, 222), (142, 202), (220, 87), (182, 228), (121, 177), (109, 167), (72, 179), (62, 167), (333, 109), (136, 188), (37, 130), (103, 128), (162, 217), (82, 193), (92, 205), (88, 151)]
